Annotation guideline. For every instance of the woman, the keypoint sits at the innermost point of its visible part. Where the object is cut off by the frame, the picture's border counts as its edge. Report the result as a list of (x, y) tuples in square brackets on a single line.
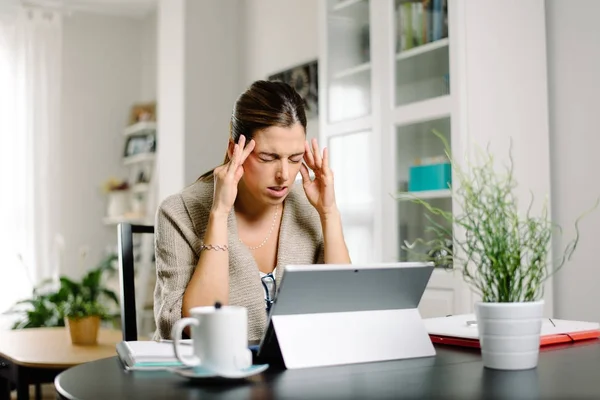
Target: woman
[(247, 217)]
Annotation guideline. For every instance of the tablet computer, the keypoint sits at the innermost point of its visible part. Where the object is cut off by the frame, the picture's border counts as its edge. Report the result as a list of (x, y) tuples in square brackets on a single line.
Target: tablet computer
[(332, 289)]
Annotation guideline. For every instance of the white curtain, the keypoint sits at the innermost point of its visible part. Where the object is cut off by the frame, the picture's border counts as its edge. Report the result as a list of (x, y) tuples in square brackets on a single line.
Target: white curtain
[(30, 81)]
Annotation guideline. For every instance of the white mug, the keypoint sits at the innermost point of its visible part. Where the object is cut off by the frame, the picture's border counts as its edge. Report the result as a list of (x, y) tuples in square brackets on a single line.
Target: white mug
[(219, 336)]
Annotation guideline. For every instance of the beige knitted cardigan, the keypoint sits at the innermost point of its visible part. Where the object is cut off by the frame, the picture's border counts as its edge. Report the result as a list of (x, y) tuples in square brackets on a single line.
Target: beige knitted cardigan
[(181, 222)]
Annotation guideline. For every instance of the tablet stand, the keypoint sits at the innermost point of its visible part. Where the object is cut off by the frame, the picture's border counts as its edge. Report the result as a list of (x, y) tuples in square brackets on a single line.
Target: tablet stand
[(325, 339)]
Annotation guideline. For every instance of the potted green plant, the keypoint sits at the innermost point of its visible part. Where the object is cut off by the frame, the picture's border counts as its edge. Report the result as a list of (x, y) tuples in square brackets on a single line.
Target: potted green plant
[(82, 316), (503, 254), (50, 305)]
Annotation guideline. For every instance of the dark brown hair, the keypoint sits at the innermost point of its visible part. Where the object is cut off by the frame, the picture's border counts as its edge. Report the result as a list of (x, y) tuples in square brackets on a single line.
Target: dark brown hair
[(264, 104)]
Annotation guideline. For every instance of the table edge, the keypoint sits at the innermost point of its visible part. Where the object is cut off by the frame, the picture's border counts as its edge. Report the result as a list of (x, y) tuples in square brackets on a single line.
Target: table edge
[(61, 393), (50, 365)]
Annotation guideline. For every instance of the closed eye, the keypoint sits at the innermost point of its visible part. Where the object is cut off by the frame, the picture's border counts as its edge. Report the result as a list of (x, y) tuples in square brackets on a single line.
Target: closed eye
[(269, 157)]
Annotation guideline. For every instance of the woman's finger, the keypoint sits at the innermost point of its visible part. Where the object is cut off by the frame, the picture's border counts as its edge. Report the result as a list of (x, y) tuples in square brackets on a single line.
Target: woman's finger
[(235, 157), (239, 172), (325, 166), (317, 155), (249, 148), (308, 157), (218, 170), (305, 174)]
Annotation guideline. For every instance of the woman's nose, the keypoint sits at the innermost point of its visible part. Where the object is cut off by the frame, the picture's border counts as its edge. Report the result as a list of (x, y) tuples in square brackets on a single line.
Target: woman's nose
[(283, 173)]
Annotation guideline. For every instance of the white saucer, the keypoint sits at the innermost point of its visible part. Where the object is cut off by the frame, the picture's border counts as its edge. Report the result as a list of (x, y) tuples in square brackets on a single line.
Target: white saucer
[(200, 372)]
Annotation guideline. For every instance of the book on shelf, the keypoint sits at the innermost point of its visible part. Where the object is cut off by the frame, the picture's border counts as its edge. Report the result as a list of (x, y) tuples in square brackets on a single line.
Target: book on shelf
[(151, 355), (420, 22)]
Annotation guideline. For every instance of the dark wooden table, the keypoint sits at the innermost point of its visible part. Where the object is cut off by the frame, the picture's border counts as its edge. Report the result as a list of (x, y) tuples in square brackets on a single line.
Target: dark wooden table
[(37, 355), (566, 371)]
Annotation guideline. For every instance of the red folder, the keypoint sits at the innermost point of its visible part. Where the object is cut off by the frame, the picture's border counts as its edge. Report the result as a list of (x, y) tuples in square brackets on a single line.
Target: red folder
[(544, 340), (459, 330)]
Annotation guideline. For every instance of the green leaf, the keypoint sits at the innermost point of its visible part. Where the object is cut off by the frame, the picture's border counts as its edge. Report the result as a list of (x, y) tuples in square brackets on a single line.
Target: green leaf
[(73, 299), (111, 295), (503, 254)]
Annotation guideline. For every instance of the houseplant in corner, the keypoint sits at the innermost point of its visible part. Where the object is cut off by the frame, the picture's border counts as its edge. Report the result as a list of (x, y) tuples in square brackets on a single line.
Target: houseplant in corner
[(50, 306), (82, 317), (83, 309), (503, 253)]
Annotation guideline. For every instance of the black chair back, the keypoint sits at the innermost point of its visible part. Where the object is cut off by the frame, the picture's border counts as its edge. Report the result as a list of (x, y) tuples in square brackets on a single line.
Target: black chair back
[(127, 277)]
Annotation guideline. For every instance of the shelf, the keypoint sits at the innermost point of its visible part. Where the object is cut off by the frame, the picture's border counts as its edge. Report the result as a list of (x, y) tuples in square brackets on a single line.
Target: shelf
[(355, 10), (425, 110), (139, 127), (349, 126), (424, 195), (423, 49), (344, 4), (144, 157), (352, 71), (140, 188), (118, 220)]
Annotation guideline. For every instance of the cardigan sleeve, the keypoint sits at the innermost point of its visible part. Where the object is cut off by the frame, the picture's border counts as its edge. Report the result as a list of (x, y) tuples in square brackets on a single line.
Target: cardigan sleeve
[(320, 256), (175, 262)]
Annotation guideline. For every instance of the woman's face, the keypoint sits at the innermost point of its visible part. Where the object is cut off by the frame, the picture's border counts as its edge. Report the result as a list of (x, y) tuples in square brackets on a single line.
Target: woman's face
[(272, 167)]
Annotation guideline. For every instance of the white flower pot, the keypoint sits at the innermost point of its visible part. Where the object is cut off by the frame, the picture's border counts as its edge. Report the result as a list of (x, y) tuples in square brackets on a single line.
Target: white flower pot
[(118, 203), (509, 334)]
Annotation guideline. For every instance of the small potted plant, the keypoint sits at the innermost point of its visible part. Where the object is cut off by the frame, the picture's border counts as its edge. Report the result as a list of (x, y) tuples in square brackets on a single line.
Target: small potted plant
[(82, 318), (52, 306), (83, 309), (118, 197), (503, 254)]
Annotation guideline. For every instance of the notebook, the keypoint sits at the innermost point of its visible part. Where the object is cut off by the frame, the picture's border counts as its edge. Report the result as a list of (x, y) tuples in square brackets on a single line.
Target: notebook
[(461, 330), (151, 355)]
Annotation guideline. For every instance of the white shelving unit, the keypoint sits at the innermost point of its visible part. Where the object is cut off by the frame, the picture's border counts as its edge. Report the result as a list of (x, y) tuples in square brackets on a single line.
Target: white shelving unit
[(138, 158), (379, 103), (140, 127), (349, 72), (422, 49), (345, 4)]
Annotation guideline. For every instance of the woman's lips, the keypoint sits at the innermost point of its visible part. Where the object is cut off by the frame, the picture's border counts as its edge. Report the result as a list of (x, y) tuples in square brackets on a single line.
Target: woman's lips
[(277, 191)]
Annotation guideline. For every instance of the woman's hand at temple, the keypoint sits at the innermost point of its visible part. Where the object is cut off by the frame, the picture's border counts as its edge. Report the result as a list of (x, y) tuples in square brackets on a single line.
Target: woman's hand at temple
[(320, 191), (228, 175)]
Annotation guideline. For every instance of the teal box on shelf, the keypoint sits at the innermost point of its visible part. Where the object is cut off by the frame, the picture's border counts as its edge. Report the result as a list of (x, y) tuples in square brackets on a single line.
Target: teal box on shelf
[(429, 177)]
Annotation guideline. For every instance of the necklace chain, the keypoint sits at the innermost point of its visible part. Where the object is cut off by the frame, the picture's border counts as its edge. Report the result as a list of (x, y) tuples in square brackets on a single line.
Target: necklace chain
[(268, 235)]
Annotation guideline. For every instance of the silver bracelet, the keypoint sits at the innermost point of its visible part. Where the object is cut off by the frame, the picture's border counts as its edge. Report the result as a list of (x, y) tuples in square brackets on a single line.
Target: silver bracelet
[(213, 247)]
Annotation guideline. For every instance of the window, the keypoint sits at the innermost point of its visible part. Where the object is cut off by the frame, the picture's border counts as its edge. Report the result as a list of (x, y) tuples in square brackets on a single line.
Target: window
[(15, 283), (350, 164)]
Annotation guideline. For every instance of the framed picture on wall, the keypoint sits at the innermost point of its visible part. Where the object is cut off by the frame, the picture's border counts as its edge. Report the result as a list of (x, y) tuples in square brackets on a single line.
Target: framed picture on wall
[(139, 144), (304, 79)]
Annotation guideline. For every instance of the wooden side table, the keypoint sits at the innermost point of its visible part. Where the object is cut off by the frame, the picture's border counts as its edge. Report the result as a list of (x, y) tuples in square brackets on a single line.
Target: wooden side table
[(38, 355)]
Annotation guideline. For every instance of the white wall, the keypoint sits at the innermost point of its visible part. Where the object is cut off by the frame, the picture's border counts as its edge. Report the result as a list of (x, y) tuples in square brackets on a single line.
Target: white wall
[(101, 80), (149, 46), (198, 83), (574, 84), (211, 82), (169, 172), (276, 35), (503, 95)]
